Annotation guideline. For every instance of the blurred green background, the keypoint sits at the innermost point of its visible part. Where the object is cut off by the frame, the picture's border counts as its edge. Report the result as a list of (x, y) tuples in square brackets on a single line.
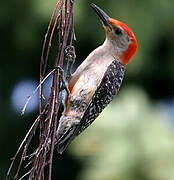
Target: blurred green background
[(133, 139)]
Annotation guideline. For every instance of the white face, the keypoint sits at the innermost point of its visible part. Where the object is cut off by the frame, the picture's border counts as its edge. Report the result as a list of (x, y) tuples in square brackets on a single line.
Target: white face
[(119, 38)]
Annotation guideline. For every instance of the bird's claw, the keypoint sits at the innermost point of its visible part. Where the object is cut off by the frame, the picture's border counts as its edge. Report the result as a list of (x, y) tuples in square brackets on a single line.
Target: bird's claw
[(70, 58), (64, 82), (70, 53)]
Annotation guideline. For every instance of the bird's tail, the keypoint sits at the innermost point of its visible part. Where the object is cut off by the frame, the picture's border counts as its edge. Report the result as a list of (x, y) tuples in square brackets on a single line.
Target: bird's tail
[(66, 132)]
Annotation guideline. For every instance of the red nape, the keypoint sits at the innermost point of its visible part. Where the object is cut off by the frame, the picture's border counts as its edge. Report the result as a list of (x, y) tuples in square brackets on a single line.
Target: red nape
[(133, 46)]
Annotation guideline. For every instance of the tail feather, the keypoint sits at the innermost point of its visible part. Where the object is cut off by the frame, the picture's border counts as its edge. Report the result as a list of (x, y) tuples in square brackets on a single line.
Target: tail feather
[(66, 132), (62, 145)]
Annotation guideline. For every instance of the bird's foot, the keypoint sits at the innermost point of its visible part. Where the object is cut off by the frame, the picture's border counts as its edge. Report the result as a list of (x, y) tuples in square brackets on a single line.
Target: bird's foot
[(63, 80), (70, 57)]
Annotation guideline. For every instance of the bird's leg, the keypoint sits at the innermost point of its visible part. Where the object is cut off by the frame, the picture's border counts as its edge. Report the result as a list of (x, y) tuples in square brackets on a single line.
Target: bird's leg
[(63, 80), (70, 58)]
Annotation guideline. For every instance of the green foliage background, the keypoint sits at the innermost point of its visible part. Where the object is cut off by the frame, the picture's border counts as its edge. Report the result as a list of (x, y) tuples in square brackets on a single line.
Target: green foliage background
[(133, 139)]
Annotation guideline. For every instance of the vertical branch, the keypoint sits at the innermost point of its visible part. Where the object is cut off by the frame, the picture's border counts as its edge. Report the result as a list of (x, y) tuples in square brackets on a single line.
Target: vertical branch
[(59, 62), (42, 61), (40, 161), (43, 64)]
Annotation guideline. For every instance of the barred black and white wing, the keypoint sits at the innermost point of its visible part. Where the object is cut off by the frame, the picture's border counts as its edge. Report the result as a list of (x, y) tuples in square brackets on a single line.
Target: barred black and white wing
[(104, 94)]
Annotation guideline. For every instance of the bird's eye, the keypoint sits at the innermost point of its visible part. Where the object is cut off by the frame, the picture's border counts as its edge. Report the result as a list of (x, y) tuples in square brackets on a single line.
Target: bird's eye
[(118, 31)]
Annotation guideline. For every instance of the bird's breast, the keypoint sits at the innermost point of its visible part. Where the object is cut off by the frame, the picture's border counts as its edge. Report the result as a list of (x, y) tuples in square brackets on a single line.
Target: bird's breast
[(90, 76), (86, 80)]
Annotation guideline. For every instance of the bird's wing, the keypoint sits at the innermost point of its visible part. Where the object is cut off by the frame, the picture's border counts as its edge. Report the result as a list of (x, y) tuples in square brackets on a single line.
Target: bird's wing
[(104, 94)]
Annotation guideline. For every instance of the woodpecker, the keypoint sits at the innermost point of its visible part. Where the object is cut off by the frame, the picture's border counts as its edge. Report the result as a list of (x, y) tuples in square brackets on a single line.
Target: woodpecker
[(95, 82)]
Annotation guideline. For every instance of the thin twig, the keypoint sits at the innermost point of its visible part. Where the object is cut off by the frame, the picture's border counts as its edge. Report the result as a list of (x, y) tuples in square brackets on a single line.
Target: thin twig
[(26, 174), (31, 95), (42, 158), (42, 72), (51, 37), (21, 145)]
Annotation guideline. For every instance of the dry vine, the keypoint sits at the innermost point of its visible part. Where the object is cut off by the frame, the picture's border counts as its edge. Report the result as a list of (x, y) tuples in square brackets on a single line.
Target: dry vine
[(39, 162)]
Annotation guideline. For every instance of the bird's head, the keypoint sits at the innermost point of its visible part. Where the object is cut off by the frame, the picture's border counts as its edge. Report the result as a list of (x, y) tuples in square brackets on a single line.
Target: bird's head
[(119, 34)]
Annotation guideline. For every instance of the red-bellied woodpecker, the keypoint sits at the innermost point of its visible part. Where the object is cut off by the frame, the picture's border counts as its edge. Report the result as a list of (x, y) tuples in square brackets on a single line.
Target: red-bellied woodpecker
[(96, 80)]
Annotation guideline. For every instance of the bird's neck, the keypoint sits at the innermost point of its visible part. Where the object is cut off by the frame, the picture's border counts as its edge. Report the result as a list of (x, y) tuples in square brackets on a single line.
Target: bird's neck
[(110, 47), (129, 53), (115, 48)]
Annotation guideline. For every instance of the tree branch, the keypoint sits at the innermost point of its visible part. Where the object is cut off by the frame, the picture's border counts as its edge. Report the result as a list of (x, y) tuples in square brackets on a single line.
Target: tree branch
[(41, 159)]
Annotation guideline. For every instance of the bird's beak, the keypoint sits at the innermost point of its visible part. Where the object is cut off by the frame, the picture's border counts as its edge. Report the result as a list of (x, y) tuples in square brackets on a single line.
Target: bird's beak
[(102, 15)]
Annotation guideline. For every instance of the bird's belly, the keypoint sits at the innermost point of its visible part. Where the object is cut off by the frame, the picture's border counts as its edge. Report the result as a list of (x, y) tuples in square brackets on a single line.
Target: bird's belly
[(89, 80), (84, 90), (86, 84)]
